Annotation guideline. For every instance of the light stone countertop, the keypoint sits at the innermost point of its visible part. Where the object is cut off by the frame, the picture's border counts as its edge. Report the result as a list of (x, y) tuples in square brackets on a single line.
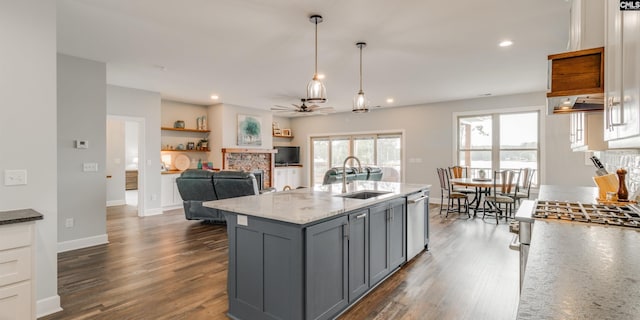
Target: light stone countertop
[(307, 205), (581, 271)]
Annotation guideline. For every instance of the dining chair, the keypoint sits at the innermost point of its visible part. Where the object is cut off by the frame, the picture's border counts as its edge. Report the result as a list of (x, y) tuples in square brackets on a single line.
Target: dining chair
[(458, 172), (524, 189), (446, 191), (502, 194)]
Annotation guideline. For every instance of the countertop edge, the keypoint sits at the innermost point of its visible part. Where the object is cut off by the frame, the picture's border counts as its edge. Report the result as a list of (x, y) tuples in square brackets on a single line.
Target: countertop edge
[(19, 216), (348, 205)]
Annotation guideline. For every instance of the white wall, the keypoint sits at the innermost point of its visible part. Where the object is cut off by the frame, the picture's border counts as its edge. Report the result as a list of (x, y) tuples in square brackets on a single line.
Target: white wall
[(28, 130), (429, 131), (131, 134), (115, 167), (81, 116), (223, 120), (127, 102)]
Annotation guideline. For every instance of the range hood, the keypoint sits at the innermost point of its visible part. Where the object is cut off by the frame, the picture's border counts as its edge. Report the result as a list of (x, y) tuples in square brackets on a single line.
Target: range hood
[(576, 81)]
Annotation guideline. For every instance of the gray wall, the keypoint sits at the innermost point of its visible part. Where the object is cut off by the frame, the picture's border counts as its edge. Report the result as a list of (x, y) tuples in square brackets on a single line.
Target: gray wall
[(28, 130), (81, 116), (429, 136), (145, 105)]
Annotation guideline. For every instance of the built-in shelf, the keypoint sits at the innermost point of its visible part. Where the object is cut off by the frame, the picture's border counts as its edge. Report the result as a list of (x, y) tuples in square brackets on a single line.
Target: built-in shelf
[(281, 136), (174, 150), (185, 130)]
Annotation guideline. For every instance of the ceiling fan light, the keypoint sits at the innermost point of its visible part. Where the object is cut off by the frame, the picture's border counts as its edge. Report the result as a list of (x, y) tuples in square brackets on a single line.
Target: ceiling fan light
[(316, 93)]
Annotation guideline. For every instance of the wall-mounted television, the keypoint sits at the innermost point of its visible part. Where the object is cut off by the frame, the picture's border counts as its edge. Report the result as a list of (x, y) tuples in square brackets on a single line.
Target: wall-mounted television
[(287, 155)]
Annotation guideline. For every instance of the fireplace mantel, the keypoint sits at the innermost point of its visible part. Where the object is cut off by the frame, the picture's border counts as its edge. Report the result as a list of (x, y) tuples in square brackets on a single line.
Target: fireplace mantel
[(239, 150)]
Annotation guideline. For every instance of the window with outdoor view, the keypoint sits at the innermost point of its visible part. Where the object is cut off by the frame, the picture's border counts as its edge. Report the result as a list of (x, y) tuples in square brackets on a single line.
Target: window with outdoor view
[(375, 150), (499, 141)]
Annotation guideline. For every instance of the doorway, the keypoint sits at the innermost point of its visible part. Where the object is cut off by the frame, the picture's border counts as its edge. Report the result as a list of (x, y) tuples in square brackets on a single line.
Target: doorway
[(125, 156)]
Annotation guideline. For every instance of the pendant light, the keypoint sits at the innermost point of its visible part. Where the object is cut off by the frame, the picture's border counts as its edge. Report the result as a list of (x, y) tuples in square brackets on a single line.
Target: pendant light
[(360, 102), (316, 93)]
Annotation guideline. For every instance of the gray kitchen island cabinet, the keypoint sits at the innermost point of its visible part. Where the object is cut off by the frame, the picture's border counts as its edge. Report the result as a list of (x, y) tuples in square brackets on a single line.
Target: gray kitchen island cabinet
[(280, 270), (312, 253), (387, 246)]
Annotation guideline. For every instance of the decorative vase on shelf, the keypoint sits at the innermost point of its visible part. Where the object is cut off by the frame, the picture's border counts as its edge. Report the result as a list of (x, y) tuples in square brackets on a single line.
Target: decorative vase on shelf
[(482, 174)]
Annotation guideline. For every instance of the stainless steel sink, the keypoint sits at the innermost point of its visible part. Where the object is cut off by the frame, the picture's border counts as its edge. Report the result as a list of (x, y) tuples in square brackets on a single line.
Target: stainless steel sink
[(366, 194)]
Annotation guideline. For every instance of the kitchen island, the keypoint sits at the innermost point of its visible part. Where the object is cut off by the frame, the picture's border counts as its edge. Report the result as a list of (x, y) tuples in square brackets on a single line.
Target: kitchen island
[(311, 253), (579, 270)]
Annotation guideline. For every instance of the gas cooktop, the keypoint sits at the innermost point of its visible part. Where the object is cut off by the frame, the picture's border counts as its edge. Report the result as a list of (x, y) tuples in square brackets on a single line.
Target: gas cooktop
[(625, 216)]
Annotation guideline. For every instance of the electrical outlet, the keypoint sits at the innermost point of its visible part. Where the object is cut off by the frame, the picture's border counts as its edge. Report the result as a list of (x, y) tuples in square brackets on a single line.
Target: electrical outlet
[(69, 223)]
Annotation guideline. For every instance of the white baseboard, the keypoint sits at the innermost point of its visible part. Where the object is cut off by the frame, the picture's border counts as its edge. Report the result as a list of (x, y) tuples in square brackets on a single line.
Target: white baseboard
[(153, 212), (172, 207), (82, 243), (112, 203), (48, 306)]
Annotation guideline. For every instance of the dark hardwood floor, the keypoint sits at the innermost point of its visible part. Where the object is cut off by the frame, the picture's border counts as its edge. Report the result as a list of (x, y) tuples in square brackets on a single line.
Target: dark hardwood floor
[(165, 267)]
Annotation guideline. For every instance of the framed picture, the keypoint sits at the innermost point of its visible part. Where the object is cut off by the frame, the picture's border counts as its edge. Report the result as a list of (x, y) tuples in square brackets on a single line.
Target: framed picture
[(191, 146), (277, 132), (249, 130), (286, 132)]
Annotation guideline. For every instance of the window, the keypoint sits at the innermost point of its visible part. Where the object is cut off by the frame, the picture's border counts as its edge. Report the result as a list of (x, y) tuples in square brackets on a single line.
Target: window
[(499, 141), (379, 150)]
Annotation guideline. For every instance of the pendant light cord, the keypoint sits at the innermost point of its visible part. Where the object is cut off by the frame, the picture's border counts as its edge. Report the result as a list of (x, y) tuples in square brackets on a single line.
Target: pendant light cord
[(315, 73), (360, 68)]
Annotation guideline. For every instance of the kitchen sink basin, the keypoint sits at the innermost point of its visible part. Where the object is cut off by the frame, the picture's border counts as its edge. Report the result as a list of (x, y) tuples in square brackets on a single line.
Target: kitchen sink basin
[(363, 194)]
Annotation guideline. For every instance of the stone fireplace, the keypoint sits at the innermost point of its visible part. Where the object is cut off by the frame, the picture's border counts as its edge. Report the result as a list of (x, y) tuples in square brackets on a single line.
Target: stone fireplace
[(250, 160)]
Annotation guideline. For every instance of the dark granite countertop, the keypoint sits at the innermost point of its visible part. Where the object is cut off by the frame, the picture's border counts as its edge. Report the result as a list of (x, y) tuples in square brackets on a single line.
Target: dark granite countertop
[(17, 216)]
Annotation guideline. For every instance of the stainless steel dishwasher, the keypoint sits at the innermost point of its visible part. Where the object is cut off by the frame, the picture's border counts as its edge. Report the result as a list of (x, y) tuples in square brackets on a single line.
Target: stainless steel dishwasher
[(417, 223)]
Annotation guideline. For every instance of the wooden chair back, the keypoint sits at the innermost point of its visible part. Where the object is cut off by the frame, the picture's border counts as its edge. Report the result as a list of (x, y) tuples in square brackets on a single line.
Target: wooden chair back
[(505, 182), (444, 179), (459, 172)]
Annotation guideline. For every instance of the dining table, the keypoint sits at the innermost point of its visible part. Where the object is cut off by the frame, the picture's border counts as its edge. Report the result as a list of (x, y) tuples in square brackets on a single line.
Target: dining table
[(481, 185)]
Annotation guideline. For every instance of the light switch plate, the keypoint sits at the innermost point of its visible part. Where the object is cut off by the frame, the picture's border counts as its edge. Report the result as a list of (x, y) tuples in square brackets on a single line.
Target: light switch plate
[(15, 177), (90, 167)]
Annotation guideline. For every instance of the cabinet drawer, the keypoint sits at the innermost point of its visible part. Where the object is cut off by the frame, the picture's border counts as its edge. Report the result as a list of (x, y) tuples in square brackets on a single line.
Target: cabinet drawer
[(16, 235), (15, 265), (16, 302)]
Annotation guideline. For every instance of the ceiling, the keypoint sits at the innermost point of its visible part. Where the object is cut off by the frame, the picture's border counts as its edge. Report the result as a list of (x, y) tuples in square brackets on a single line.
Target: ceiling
[(258, 53)]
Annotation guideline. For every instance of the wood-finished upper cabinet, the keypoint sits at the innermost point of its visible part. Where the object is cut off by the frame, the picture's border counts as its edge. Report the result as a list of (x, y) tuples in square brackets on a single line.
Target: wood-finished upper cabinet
[(622, 84)]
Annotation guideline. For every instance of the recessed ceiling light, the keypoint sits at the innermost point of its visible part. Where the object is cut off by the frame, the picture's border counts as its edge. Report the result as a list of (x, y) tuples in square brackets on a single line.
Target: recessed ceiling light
[(390, 100), (214, 97), (506, 43), (485, 94)]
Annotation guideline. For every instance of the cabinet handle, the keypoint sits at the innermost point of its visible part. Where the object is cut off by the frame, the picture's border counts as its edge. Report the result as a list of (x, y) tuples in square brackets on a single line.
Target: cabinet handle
[(345, 231), (360, 216)]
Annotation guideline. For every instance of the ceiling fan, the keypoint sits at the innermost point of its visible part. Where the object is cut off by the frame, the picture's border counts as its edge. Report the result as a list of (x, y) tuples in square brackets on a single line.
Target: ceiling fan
[(303, 109)]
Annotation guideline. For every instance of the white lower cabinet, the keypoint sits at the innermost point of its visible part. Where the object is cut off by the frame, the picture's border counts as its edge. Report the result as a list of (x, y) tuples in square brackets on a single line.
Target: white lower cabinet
[(17, 290), (287, 176), (170, 196)]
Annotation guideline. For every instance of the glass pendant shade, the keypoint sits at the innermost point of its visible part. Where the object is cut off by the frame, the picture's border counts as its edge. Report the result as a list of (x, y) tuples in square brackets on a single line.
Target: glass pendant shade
[(360, 103), (316, 93)]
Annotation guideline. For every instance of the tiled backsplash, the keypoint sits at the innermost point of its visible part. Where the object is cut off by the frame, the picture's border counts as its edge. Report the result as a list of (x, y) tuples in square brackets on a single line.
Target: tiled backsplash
[(627, 159)]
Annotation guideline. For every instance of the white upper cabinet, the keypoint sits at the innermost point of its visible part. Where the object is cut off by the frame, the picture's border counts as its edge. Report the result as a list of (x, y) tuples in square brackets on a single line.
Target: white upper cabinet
[(586, 30), (622, 84)]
